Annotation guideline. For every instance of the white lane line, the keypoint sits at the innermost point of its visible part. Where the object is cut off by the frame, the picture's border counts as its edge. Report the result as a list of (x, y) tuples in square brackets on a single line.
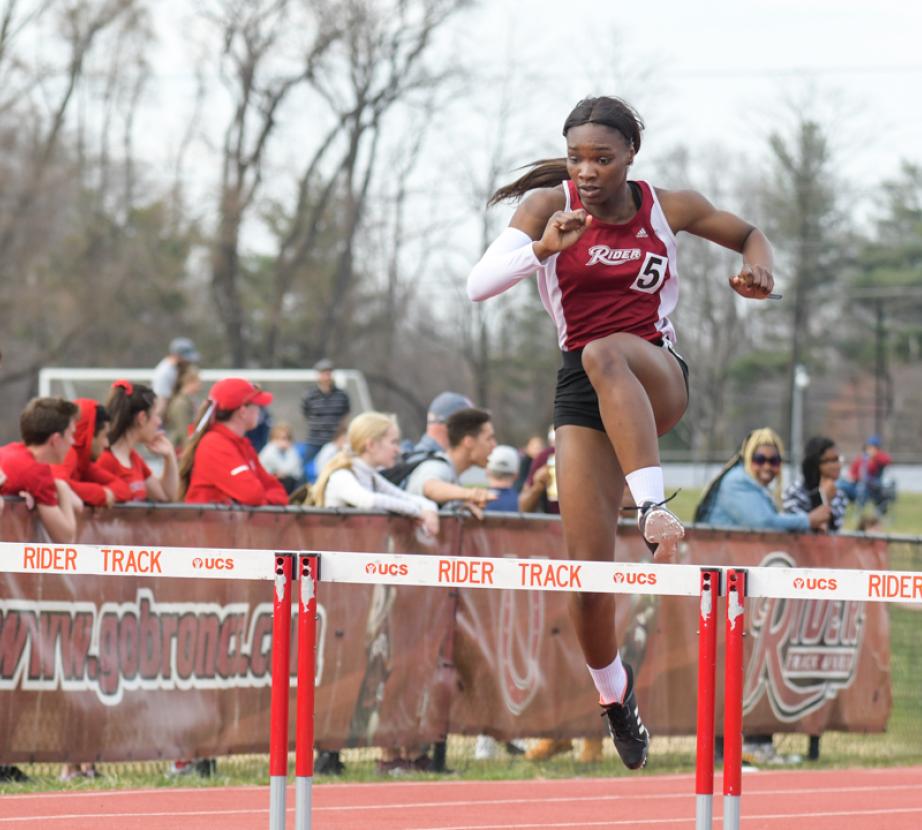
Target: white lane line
[(579, 799), (137, 815), (634, 822), (49, 794)]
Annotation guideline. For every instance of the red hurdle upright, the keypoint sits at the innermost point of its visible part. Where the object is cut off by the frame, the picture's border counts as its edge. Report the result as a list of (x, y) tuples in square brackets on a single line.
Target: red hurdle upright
[(707, 669), (278, 713), (733, 697), (307, 661)]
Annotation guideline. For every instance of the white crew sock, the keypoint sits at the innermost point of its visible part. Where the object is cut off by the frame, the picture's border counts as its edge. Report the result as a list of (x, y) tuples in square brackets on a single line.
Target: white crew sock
[(611, 681), (646, 484)]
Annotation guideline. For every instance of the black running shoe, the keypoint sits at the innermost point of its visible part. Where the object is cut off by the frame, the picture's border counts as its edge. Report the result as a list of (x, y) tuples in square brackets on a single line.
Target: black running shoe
[(660, 526), (626, 728), (328, 763)]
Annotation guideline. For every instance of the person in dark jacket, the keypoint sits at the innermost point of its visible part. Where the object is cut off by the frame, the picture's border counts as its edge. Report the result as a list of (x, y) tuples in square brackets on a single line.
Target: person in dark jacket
[(325, 406), (818, 484)]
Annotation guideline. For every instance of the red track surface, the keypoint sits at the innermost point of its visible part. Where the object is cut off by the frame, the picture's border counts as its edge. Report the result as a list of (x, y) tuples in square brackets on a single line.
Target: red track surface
[(882, 799)]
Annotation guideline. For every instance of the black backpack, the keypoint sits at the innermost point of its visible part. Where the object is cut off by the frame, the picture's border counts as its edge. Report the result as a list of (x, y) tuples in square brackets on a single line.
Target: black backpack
[(409, 461)]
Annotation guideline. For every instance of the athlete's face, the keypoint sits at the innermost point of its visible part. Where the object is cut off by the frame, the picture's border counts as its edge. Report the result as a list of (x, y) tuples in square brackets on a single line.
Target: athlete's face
[(597, 161)]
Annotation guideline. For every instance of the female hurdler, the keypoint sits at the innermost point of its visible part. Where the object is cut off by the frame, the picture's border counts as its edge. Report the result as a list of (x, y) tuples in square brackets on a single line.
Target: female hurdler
[(604, 249)]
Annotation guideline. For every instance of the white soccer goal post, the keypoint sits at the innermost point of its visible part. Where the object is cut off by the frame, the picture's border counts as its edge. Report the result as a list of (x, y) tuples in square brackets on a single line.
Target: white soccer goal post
[(286, 385)]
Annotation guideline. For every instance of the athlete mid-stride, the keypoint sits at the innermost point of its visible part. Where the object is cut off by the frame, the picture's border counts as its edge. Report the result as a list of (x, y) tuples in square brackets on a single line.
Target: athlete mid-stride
[(604, 249)]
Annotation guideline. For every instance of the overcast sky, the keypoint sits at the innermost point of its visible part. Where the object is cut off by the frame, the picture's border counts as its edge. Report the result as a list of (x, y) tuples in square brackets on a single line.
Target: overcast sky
[(706, 74), (722, 71)]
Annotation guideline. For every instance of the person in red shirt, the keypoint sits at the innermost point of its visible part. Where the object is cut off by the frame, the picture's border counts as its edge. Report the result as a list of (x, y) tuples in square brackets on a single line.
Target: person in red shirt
[(135, 420), (865, 476), (219, 465), (47, 426), (93, 484)]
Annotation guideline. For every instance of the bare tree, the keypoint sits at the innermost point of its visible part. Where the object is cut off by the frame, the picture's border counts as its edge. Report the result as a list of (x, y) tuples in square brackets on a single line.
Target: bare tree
[(383, 60), (802, 206), (81, 23), (257, 37), (712, 333)]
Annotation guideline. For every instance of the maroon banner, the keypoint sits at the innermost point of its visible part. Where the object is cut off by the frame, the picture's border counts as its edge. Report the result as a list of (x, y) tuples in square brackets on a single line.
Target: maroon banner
[(118, 668)]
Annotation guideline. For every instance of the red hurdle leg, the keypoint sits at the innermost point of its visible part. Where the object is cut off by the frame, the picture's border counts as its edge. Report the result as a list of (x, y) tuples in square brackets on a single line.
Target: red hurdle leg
[(281, 652), (304, 729), (733, 698), (707, 669)]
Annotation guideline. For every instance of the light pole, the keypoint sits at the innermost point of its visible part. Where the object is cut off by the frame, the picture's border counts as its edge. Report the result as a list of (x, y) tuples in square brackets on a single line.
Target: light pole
[(801, 382)]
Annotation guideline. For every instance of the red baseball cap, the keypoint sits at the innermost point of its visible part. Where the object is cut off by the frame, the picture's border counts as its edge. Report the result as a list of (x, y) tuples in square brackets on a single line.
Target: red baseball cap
[(232, 393)]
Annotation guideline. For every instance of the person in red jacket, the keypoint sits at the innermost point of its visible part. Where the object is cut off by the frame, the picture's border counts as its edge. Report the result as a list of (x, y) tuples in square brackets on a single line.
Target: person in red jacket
[(219, 465), (134, 411), (87, 479), (47, 427)]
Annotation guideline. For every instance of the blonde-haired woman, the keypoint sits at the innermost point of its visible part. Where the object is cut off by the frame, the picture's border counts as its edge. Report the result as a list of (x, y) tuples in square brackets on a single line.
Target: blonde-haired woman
[(747, 492), (350, 478)]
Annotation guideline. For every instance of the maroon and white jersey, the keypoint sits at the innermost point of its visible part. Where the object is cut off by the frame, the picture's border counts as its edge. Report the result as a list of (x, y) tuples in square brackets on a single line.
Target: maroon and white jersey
[(615, 278)]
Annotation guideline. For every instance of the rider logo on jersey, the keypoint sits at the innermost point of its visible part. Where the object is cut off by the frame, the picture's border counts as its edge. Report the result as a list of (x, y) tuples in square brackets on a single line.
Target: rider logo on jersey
[(612, 256)]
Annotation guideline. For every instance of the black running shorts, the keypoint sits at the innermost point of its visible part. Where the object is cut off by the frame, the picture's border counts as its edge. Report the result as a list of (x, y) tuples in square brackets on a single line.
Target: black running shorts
[(575, 400)]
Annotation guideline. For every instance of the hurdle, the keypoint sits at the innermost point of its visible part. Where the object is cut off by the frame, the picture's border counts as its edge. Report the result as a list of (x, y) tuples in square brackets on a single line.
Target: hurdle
[(702, 581), (311, 568)]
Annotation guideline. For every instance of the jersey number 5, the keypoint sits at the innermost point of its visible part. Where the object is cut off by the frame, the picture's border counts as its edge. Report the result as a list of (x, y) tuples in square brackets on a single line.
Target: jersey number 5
[(652, 274)]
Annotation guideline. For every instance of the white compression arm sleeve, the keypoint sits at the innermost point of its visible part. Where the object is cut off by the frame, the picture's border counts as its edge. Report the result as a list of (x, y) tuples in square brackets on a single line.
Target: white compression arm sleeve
[(509, 260)]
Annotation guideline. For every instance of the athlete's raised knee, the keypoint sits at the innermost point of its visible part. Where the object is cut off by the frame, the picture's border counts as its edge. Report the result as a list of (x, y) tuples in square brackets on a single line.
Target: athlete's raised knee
[(606, 357)]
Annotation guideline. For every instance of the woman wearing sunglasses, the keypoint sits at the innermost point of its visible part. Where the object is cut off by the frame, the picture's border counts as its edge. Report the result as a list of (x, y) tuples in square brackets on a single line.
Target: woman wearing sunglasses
[(747, 492)]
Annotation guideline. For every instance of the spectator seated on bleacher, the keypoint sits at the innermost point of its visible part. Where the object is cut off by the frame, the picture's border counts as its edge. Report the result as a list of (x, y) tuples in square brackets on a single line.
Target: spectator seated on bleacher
[(865, 480), (219, 465), (471, 439), (502, 472), (351, 479), (47, 426), (742, 493), (281, 459), (818, 484), (134, 414), (91, 482)]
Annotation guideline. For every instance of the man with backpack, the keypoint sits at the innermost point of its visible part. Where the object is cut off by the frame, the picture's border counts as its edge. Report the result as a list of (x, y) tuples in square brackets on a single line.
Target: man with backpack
[(471, 439), (434, 440)]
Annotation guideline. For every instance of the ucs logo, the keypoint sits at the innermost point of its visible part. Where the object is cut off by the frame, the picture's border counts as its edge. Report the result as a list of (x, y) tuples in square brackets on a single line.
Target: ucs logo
[(387, 568), (634, 578), (812, 583), (213, 563)]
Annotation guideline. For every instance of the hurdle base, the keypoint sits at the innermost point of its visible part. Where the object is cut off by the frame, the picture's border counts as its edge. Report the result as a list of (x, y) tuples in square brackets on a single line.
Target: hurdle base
[(277, 806), (704, 812), (303, 798), (731, 812)]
